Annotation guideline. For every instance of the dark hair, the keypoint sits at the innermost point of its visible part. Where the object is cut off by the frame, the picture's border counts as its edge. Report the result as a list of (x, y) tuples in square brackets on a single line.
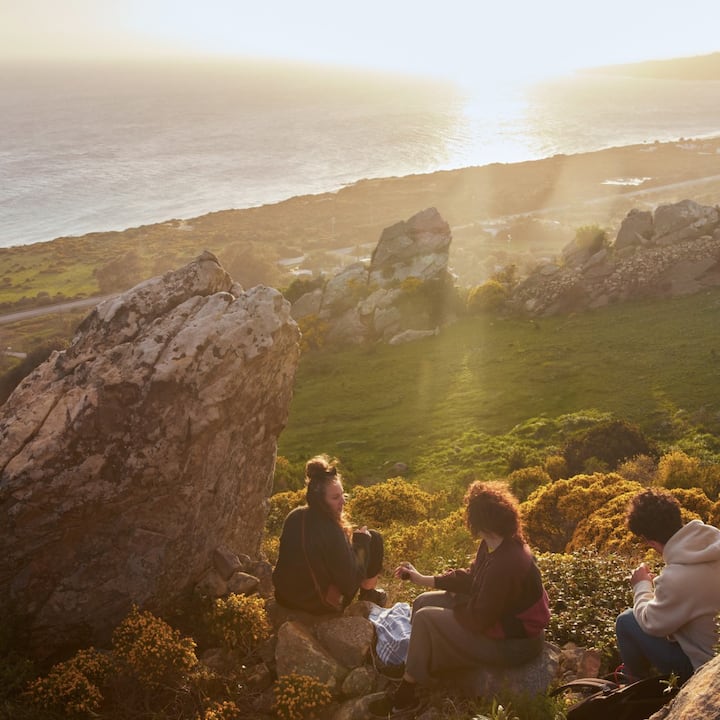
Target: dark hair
[(491, 507), (654, 514), (319, 471)]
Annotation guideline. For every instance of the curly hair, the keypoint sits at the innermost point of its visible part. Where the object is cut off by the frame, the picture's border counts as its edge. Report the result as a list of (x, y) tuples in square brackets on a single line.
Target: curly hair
[(654, 514), (491, 507)]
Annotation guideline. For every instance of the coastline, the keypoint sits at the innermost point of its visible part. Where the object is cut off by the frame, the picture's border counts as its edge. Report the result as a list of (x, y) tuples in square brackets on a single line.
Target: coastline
[(597, 187)]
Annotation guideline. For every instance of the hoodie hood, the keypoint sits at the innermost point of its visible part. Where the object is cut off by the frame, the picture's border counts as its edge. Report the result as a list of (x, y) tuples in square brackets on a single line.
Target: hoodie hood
[(694, 543)]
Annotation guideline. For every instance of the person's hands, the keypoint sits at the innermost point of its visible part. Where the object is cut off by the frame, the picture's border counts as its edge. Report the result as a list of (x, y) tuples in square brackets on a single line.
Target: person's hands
[(641, 573), (363, 530), (406, 571)]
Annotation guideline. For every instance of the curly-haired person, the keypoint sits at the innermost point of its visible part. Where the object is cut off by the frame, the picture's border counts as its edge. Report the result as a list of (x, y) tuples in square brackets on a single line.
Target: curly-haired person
[(671, 625), (494, 612)]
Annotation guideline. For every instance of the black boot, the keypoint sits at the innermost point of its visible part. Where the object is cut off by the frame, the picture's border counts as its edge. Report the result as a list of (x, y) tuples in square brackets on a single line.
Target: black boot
[(376, 595)]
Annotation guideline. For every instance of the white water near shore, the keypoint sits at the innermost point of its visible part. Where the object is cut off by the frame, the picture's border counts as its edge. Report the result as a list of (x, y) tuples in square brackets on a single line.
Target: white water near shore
[(85, 150)]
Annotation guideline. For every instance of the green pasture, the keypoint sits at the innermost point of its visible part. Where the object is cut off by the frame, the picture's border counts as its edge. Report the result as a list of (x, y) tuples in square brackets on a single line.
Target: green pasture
[(656, 364)]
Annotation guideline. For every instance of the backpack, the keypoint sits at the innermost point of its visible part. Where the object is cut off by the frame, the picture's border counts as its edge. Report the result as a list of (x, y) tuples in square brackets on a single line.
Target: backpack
[(610, 701)]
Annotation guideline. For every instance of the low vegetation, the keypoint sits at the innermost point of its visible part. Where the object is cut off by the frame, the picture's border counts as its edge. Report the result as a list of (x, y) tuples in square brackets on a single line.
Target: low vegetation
[(152, 669)]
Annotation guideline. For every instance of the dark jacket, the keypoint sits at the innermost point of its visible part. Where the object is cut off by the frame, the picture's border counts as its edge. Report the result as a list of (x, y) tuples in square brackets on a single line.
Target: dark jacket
[(506, 594), (334, 560)]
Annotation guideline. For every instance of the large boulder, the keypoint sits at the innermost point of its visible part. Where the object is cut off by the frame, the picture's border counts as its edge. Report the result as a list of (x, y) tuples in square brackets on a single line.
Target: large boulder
[(404, 287), (699, 697), (129, 458)]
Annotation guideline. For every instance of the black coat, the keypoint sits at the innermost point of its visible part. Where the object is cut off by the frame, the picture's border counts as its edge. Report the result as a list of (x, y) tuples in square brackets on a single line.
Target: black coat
[(304, 573)]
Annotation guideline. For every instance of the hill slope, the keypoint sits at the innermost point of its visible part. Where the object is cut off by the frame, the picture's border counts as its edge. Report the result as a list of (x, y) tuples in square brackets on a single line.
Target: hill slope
[(439, 403)]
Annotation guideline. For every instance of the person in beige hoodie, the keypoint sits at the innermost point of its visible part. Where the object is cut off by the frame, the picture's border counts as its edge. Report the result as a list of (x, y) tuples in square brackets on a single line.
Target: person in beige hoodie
[(671, 626)]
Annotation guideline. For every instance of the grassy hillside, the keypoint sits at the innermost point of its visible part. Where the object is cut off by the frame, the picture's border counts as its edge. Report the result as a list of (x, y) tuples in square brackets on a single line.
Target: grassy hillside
[(486, 388)]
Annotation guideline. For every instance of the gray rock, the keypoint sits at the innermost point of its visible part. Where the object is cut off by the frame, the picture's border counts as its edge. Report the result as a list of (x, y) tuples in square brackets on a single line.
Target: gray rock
[(347, 639), (127, 459), (699, 697), (298, 651)]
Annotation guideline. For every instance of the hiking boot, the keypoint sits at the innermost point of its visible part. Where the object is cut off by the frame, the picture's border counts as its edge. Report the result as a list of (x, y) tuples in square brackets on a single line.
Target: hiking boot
[(376, 595)]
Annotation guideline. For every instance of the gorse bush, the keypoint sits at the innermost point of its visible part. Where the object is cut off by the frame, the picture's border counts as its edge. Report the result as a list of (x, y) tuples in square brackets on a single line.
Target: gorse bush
[(149, 651), (239, 623), (299, 697), (395, 500), (553, 512), (678, 470), (525, 480), (225, 710), (280, 505), (609, 443), (73, 687)]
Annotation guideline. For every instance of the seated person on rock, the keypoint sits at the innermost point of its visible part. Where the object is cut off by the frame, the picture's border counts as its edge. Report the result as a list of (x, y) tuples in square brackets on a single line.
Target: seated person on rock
[(671, 626), (322, 562), (493, 613)]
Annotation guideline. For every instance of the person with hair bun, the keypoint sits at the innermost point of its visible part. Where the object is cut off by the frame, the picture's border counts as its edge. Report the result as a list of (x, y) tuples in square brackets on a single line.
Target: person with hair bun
[(322, 562), (493, 613)]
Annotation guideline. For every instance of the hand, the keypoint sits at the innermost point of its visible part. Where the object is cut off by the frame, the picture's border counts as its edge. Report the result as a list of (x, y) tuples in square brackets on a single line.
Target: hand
[(363, 530), (406, 571), (639, 574)]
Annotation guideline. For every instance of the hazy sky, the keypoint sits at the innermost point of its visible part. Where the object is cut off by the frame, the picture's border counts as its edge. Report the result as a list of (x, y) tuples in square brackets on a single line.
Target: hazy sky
[(452, 38)]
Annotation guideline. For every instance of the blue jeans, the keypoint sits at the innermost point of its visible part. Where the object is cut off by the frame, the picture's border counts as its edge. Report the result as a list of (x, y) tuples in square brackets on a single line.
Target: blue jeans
[(640, 651)]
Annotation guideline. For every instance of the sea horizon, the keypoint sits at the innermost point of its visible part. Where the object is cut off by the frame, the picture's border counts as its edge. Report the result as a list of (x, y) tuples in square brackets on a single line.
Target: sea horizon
[(112, 147)]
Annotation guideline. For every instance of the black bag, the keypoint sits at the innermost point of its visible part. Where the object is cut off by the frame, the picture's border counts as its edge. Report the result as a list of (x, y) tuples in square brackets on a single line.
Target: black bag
[(610, 701)]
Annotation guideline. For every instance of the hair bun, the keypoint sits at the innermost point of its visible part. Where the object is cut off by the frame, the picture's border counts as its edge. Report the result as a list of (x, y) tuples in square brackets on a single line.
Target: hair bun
[(320, 468)]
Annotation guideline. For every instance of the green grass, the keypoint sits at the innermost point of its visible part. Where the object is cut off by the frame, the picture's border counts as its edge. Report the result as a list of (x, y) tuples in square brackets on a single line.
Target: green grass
[(648, 362)]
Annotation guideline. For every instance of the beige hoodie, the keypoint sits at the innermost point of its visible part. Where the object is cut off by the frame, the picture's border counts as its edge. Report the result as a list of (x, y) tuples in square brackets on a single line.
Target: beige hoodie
[(685, 598)]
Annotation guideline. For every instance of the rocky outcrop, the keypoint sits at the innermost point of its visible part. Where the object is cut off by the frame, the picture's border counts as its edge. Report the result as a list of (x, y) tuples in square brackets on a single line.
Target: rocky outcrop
[(673, 251), (402, 289), (127, 460), (699, 697)]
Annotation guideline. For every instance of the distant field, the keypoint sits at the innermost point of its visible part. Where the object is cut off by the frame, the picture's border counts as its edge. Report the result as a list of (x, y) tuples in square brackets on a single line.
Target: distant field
[(656, 364)]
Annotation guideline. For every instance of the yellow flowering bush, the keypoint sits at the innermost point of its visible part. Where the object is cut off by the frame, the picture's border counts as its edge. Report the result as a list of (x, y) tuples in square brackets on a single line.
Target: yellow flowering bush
[(678, 470), (280, 505), (147, 649), (225, 710), (73, 687), (552, 513), (299, 697), (239, 622), (394, 500)]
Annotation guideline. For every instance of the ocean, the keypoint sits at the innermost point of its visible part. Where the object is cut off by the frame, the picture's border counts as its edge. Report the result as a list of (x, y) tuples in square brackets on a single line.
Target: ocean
[(85, 149)]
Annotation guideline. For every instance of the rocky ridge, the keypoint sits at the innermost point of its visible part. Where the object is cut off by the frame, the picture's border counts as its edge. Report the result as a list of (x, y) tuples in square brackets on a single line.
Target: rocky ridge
[(672, 251)]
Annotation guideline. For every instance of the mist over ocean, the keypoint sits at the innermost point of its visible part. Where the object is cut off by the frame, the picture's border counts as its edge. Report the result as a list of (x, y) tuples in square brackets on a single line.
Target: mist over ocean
[(107, 148)]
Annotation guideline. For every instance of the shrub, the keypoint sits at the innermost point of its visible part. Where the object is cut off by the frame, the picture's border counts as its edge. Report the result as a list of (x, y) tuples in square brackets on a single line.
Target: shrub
[(610, 442), (431, 545), (73, 687), (239, 623), (394, 500), (522, 482), (488, 297), (151, 652), (694, 502), (591, 237), (314, 333), (225, 710), (587, 592), (298, 697), (640, 469), (556, 467), (552, 513), (280, 505), (678, 470)]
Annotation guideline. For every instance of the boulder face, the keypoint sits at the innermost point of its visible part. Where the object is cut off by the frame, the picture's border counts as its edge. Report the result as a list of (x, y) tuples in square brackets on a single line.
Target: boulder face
[(401, 292), (673, 251), (129, 458)]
